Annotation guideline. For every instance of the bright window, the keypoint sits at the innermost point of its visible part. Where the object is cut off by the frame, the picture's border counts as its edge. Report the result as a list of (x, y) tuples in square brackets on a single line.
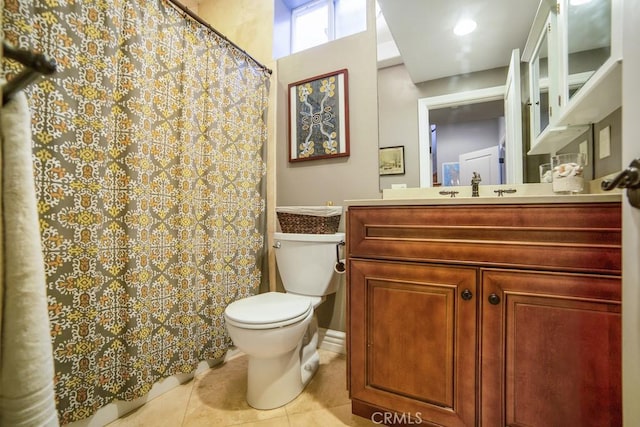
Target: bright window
[(351, 17), (312, 24), (320, 21)]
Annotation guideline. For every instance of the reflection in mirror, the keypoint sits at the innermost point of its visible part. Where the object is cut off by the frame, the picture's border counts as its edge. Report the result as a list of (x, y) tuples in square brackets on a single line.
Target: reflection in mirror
[(464, 133), (588, 39), (462, 136), (431, 61), (419, 57), (539, 79)]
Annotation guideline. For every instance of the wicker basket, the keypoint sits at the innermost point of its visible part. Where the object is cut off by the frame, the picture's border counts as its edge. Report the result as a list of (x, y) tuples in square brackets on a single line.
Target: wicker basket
[(326, 221)]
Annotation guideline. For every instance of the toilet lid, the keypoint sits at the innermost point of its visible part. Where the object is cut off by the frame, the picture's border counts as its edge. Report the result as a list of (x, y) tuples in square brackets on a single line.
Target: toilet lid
[(269, 309)]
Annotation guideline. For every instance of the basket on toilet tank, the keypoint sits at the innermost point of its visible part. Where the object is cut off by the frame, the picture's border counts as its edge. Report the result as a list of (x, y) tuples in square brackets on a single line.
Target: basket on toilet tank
[(309, 219)]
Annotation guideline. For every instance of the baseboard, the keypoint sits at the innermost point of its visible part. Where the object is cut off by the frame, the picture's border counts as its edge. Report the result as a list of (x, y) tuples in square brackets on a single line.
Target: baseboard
[(119, 408), (332, 340)]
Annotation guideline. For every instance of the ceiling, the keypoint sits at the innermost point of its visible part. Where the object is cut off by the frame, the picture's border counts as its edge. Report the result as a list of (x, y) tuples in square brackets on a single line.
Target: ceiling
[(489, 110), (422, 30)]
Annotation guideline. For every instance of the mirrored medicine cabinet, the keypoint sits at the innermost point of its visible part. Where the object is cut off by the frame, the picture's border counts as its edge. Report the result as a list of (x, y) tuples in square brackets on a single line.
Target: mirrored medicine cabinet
[(574, 58)]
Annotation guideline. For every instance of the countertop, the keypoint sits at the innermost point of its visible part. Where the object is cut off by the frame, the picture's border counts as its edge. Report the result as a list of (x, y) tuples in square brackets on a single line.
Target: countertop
[(525, 194)]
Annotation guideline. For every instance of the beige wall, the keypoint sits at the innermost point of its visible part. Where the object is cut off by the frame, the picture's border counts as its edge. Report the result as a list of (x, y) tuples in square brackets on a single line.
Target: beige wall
[(192, 5), (249, 24), (398, 121), (315, 182)]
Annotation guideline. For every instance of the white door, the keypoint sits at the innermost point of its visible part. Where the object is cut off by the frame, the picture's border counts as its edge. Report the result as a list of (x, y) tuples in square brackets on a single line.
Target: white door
[(513, 121), (630, 218), (486, 162)]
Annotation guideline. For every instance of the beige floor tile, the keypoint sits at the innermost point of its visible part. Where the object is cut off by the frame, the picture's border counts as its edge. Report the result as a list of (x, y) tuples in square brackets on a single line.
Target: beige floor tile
[(273, 422), (218, 398), (204, 416), (233, 368), (327, 389), (166, 410), (334, 417)]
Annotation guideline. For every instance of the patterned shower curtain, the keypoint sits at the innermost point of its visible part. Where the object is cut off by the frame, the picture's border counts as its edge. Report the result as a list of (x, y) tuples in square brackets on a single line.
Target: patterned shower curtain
[(148, 156)]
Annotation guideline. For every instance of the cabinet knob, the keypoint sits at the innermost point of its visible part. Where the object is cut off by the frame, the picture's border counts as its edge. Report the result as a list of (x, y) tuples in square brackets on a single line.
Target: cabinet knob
[(494, 299), (466, 295)]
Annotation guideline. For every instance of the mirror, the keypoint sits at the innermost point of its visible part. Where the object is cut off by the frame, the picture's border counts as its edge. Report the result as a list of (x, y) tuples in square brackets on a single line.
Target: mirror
[(421, 31), (588, 40), (539, 79)]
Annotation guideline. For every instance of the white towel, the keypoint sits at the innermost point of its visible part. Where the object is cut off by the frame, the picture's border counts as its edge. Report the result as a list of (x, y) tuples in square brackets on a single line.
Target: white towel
[(26, 359)]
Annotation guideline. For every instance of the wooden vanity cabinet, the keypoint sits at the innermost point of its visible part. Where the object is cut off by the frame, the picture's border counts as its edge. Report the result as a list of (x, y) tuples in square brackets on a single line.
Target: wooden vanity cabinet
[(413, 339), (486, 315)]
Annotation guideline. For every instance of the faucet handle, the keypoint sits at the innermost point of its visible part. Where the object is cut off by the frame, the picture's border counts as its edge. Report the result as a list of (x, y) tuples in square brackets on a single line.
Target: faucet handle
[(501, 192), (449, 193)]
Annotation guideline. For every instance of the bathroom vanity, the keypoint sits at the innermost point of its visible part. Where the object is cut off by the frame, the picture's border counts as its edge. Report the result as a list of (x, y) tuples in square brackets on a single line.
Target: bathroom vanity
[(486, 311)]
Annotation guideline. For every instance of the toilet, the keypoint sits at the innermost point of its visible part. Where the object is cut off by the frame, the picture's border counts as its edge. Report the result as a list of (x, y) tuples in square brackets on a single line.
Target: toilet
[(279, 331)]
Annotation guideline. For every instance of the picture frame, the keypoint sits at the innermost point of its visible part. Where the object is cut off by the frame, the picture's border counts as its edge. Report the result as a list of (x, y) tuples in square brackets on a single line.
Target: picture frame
[(450, 174), (391, 160), (319, 117)]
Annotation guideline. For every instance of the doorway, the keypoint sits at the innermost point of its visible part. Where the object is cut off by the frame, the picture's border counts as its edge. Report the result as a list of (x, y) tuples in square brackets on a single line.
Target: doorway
[(463, 133), (443, 109)]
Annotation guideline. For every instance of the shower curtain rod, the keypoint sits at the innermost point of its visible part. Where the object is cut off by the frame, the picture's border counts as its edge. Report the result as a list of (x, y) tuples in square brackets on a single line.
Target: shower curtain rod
[(186, 10), (36, 65)]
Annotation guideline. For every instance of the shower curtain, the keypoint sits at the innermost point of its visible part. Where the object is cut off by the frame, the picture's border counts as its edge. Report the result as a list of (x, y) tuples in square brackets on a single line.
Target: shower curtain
[(148, 161)]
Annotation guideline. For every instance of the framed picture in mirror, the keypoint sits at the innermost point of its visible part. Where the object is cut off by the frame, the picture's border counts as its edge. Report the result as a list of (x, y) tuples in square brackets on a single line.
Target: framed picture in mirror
[(391, 160), (319, 117), (450, 174)]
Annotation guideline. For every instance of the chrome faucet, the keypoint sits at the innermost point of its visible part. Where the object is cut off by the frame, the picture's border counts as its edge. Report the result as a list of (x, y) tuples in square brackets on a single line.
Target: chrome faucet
[(475, 181)]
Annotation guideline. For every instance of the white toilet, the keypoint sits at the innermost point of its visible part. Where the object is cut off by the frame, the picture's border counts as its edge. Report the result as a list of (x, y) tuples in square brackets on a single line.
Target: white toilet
[(279, 331)]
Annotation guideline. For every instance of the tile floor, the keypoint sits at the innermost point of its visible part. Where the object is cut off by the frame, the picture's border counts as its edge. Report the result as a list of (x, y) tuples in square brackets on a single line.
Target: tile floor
[(216, 398)]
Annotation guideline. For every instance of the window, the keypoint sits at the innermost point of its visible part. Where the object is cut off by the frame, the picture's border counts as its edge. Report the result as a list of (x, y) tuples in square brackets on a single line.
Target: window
[(351, 17), (320, 21), (312, 24)]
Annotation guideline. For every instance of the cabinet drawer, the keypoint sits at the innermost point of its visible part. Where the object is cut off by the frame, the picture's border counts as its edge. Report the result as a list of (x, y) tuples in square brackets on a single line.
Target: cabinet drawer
[(566, 237)]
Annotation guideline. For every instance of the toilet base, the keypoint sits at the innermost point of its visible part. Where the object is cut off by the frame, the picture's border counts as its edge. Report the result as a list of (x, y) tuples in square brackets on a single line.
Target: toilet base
[(274, 382), (309, 357)]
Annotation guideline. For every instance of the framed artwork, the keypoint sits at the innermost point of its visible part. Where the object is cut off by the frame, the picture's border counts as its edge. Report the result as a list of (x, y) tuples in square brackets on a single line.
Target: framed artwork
[(450, 174), (319, 117), (391, 160)]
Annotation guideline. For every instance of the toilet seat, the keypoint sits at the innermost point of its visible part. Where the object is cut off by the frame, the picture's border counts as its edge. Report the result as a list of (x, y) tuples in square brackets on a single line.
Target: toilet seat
[(269, 310)]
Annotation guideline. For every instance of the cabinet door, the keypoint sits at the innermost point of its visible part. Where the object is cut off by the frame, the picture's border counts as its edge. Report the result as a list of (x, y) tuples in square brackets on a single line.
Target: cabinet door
[(551, 349), (543, 82), (413, 339)]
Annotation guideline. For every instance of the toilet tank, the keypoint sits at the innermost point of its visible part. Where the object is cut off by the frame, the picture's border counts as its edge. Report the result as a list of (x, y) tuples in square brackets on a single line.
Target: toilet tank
[(306, 261)]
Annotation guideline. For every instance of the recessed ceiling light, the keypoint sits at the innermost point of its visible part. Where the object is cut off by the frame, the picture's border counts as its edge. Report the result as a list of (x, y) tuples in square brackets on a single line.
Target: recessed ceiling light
[(578, 2), (464, 26)]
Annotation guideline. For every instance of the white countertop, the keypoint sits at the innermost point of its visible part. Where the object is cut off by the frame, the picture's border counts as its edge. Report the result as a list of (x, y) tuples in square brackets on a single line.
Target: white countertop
[(525, 194)]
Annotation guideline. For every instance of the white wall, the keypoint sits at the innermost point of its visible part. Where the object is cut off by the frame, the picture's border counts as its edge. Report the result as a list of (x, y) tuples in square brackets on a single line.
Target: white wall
[(460, 138)]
